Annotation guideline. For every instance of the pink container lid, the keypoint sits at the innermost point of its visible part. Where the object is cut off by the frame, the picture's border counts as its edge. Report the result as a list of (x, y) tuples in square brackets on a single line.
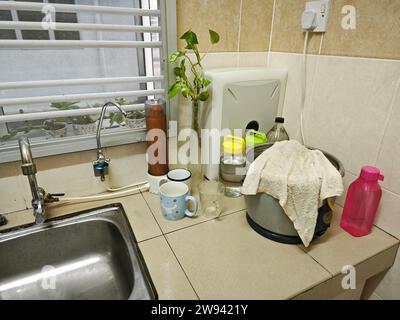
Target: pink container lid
[(369, 173)]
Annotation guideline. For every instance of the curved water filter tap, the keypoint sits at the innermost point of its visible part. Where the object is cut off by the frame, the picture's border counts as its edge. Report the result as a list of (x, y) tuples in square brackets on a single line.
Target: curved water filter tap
[(101, 164)]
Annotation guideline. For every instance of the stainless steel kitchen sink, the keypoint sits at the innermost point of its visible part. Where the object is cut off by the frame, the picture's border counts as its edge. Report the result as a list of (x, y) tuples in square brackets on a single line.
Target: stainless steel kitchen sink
[(86, 255)]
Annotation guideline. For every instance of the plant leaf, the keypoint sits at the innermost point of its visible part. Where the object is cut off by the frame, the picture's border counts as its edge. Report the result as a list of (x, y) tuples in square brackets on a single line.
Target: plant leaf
[(178, 72), (204, 96), (183, 66), (185, 91), (206, 82), (175, 56), (214, 36), (174, 89), (191, 39)]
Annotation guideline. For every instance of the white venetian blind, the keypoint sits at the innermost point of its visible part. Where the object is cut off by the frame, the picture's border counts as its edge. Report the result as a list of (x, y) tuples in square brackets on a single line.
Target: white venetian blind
[(84, 52)]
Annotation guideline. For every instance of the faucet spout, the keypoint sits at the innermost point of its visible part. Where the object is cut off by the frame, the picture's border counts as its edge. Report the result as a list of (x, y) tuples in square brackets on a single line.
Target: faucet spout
[(29, 169)]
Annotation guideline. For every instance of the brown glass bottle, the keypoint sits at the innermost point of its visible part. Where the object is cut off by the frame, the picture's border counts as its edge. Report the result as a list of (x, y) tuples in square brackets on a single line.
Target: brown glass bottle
[(157, 155)]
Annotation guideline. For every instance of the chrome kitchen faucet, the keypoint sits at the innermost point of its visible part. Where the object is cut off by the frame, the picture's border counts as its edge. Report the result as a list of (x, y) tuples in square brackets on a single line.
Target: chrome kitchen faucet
[(39, 196)]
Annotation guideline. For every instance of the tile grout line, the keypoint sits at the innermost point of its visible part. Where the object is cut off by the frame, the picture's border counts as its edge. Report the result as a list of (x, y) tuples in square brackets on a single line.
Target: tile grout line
[(321, 43), (342, 56), (151, 238), (205, 221), (306, 252), (271, 33), (187, 277), (188, 226), (239, 33), (169, 245)]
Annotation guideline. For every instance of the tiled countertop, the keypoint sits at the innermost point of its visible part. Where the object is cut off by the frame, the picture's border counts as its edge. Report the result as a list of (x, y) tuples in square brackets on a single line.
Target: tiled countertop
[(204, 258)]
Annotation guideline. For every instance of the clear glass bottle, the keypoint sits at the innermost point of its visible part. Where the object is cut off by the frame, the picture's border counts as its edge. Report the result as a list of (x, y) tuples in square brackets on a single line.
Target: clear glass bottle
[(232, 165), (278, 132)]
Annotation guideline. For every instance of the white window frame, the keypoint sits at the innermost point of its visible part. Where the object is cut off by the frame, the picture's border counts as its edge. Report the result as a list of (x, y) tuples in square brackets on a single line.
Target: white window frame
[(117, 136)]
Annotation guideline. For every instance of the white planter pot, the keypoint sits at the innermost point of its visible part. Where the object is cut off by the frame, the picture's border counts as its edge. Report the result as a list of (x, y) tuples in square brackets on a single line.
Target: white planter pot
[(136, 123), (82, 129), (57, 133)]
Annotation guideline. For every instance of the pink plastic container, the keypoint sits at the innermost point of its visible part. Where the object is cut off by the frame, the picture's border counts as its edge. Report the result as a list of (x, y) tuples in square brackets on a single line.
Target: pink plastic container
[(362, 202)]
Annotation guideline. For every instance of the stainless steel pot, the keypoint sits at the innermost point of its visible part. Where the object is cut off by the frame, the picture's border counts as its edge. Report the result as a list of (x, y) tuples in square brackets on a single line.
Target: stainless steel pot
[(266, 216)]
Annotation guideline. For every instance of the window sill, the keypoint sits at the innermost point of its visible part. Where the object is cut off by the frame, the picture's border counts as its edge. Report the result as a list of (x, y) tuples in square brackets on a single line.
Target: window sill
[(42, 148)]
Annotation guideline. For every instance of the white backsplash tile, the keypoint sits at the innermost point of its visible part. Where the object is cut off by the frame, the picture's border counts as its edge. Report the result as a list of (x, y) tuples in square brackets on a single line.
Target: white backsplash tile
[(389, 157), (233, 60), (388, 216), (349, 106), (347, 180), (293, 63)]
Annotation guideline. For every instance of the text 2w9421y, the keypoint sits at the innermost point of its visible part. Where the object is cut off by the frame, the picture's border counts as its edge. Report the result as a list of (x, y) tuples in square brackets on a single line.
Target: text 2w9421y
[(215, 309)]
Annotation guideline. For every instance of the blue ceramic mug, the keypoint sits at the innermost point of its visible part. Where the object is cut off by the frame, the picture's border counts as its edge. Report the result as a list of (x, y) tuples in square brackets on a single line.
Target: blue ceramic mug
[(174, 198)]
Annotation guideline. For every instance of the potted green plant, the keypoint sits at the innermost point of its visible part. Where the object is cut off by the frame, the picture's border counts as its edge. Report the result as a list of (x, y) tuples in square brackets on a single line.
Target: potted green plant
[(25, 130), (195, 89), (28, 127), (136, 119), (55, 128), (117, 117), (85, 124)]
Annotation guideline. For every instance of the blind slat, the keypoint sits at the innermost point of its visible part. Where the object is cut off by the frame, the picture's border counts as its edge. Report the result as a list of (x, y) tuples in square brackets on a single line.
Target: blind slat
[(72, 82), (73, 44), (64, 113), (35, 6), (83, 96), (27, 25)]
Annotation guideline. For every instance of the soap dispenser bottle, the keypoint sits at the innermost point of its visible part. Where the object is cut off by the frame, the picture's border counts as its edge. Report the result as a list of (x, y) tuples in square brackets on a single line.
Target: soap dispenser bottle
[(362, 202), (278, 132)]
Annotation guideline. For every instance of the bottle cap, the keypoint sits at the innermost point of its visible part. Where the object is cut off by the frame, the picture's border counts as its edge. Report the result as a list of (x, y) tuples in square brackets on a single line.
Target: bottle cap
[(279, 120), (369, 173), (233, 145), (254, 138)]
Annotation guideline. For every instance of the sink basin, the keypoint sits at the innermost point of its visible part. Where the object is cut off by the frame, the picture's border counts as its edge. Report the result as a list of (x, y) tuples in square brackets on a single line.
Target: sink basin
[(86, 255)]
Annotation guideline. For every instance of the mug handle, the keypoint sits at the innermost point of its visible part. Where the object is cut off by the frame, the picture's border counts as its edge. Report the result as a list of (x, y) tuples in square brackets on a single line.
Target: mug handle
[(187, 211), (162, 181)]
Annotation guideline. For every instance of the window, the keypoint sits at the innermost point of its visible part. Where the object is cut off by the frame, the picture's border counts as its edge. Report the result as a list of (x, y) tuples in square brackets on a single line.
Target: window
[(37, 16), (56, 79)]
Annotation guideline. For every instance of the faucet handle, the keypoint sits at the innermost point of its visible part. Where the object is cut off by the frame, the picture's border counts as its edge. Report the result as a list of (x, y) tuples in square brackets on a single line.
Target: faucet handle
[(53, 197), (3, 220), (100, 168)]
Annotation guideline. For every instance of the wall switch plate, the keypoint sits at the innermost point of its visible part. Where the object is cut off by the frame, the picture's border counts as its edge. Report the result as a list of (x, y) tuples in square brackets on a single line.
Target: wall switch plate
[(322, 10)]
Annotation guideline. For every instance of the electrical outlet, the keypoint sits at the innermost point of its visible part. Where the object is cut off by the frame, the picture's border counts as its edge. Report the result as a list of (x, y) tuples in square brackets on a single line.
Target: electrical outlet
[(321, 9)]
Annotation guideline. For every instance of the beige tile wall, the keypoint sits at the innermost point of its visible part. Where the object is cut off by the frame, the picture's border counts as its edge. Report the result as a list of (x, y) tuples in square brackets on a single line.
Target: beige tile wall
[(376, 35)]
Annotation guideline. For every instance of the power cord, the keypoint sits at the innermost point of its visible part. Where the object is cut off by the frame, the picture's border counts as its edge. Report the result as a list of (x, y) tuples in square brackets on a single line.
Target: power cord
[(304, 88)]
